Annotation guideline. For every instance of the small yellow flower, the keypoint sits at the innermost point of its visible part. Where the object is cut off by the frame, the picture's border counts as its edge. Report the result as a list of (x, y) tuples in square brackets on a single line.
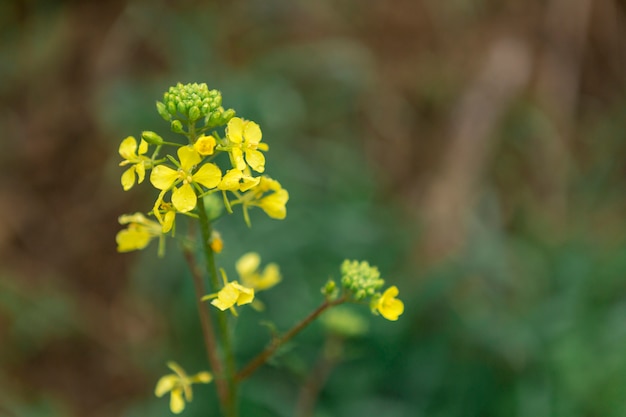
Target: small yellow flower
[(244, 137), (232, 293), (184, 197), (248, 269), (178, 385), (236, 180), (388, 305), (138, 234), (134, 155), (274, 203), (205, 145)]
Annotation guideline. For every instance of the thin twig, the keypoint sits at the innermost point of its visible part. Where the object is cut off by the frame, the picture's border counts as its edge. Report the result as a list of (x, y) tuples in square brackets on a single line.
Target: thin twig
[(277, 342)]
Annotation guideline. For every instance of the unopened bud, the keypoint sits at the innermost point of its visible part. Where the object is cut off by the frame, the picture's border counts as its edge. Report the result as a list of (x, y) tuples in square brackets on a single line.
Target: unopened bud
[(152, 138)]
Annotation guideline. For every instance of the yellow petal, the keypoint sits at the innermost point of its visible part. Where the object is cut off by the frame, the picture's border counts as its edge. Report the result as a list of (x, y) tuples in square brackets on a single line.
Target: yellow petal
[(236, 156), (246, 295), (202, 378), (177, 402), (128, 178), (248, 183), (208, 175), (248, 264), (163, 177), (140, 169), (188, 157), (168, 221), (256, 160), (252, 133), (184, 198), (230, 181), (143, 147), (274, 204), (165, 384), (128, 147), (271, 276), (132, 239), (234, 130)]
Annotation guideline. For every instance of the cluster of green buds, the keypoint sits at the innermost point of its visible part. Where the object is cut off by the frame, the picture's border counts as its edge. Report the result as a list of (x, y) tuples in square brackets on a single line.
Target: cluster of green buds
[(362, 282), (189, 103), (189, 171)]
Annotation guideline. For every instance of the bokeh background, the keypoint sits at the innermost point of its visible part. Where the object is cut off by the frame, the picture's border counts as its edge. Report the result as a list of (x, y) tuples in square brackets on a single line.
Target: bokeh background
[(473, 150)]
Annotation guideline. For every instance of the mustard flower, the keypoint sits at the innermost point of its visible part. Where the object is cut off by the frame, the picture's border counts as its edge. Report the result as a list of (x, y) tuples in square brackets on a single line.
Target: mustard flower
[(133, 155), (232, 293), (205, 145), (178, 385), (138, 234), (388, 305), (236, 180), (269, 196), (184, 197), (248, 269), (244, 138)]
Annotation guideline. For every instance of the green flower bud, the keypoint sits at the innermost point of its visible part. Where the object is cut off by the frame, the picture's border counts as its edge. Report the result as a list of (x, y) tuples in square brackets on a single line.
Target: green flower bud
[(181, 107), (360, 278), (162, 110), (152, 138), (330, 290), (227, 115), (194, 113), (171, 107), (177, 126)]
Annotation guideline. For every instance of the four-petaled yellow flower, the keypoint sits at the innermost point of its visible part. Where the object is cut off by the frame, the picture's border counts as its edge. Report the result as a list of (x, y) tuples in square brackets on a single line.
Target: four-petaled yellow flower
[(273, 204), (134, 155), (248, 269), (244, 137), (184, 197), (232, 293), (138, 234), (236, 180), (388, 305), (205, 145), (178, 385)]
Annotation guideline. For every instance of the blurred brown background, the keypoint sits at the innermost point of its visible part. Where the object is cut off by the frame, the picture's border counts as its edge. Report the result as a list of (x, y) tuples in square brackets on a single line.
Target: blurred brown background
[(478, 144)]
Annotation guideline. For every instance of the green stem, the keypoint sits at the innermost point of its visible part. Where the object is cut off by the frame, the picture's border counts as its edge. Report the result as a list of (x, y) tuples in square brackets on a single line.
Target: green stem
[(207, 325), (277, 342), (229, 407)]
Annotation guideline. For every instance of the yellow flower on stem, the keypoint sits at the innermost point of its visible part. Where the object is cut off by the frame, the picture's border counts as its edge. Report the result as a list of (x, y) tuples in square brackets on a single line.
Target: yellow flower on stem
[(274, 203), (244, 137), (236, 180), (248, 269), (205, 145), (138, 234), (183, 195), (134, 155), (232, 293), (388, 305), (178, 385)]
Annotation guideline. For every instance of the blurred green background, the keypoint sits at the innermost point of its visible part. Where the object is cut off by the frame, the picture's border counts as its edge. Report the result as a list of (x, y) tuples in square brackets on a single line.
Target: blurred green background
[(473, 150)]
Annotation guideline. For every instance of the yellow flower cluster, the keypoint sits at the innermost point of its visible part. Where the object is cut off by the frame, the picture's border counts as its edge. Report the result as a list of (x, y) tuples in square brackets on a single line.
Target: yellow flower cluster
[(192, 170)]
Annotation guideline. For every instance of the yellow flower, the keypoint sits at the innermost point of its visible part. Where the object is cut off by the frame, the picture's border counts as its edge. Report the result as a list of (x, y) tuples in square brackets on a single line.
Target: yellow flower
[(178, 385), (205, 145), (244, 138), (248, 269), (184, 197), (133, 155), (274, 204), (388, 305), (232, 293), (138, 234), (236, 180)]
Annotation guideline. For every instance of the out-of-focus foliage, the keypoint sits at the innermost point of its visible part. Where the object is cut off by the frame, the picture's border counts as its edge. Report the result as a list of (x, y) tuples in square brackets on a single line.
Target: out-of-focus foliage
[(512, 271)]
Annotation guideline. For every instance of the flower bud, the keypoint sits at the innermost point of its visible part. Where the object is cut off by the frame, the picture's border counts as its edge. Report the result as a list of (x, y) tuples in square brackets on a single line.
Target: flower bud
[(162, 110), (177, 126), (194, 113), (152, 138)]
